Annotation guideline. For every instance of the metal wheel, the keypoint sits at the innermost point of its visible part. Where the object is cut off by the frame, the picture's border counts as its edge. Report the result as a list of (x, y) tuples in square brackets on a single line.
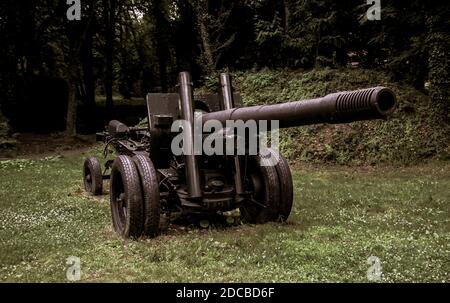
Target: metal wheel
[(150, 194), (262, 180), (92, 176), (126, 198), (286, 186)]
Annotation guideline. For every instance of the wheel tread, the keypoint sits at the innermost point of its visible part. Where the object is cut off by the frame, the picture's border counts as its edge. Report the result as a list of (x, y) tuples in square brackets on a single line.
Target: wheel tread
[(150, 192), (131, 183), (93, 165)]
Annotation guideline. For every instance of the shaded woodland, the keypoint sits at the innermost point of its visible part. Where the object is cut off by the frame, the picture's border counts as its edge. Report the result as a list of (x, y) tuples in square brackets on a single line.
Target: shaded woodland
[(53, 69)]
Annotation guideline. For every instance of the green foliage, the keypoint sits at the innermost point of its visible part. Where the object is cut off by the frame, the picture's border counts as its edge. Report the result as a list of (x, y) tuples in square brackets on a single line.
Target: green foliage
[(439, 64), (299, 33), (136, 47)]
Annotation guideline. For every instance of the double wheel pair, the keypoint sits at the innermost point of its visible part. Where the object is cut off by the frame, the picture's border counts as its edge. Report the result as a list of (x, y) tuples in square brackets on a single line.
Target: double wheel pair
[(134, 194), (135, 201)]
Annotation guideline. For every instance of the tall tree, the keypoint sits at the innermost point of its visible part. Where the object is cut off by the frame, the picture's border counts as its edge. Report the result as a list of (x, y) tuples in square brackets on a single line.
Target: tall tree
[(88, 63), (109, 14), (159, 11), (213, 19)]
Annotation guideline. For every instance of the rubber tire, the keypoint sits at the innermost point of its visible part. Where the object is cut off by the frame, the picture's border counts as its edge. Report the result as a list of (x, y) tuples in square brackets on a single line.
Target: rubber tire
[(286, 186), (92, 166), (253, 213), (125, 179), (150, 194)]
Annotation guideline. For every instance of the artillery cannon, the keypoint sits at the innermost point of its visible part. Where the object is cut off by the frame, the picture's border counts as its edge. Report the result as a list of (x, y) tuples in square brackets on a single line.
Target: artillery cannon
[(149, 181)]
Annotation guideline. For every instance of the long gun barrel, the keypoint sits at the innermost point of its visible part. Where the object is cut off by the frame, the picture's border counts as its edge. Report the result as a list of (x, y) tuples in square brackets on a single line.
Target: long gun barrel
[(342, 107)]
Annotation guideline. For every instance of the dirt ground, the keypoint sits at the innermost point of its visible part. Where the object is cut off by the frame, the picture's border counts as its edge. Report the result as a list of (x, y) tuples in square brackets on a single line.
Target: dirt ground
[(36, 146)]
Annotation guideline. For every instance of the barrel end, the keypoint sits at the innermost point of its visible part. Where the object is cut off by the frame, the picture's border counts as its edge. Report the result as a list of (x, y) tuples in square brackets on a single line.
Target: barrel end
[(384, 100)]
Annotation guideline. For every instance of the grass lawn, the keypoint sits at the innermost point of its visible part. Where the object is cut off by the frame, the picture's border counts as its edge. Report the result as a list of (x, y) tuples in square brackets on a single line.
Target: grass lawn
[(341, 217)]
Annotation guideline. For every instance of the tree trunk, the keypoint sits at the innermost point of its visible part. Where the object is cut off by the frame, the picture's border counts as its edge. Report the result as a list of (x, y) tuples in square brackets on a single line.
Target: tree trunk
[(71, 78), (110, 20), (162, 63), (206, 42), (88, 71), (207, 53), (286, 16), (76, 36), (158, 12), (88, 81), (71, 121)]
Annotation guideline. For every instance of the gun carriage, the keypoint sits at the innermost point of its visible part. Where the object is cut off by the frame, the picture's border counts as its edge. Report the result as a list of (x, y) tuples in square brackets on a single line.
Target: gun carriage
[(148, 181)]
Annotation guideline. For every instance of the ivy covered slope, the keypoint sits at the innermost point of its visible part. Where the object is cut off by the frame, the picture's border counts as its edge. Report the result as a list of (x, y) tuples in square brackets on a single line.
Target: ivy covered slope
[(410, 135)]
